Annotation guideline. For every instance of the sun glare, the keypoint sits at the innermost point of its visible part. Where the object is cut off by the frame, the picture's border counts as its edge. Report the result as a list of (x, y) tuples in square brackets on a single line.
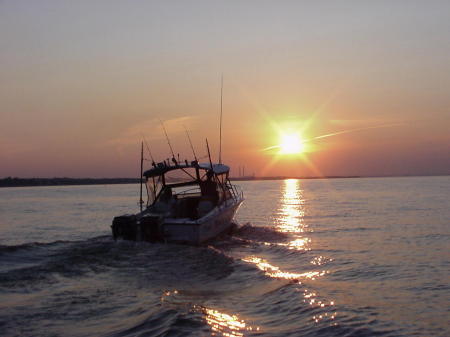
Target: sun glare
[(291, 144)]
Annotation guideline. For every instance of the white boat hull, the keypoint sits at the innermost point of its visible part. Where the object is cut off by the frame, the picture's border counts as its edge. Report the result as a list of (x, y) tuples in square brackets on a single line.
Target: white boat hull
[(216, 222)]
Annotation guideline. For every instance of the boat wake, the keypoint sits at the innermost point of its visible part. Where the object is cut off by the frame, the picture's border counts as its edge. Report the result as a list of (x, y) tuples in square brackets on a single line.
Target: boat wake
[(262, 234), (230, 287)]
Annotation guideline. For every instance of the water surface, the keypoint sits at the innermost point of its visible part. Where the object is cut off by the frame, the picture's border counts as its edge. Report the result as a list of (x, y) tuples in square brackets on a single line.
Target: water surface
[(341, 257)]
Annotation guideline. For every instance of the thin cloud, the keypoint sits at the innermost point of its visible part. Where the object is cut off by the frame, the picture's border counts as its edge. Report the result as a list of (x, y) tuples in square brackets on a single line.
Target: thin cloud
[(355, 130), (151, 129), (332, 134)]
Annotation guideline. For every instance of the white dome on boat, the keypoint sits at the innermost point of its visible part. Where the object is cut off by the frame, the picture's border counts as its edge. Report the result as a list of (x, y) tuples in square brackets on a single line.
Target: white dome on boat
[(217, 168)]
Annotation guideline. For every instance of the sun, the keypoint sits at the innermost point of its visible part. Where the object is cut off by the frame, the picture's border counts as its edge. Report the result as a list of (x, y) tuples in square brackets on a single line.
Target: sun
[(291, 144)]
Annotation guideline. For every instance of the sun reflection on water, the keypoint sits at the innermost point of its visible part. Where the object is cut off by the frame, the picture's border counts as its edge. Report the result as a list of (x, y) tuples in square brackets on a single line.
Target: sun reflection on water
[(309, 297), (221, 323), (225, 324), (290, 219), (292, 208), (275, 272), (320, 260), (291, 216), (297, 244)]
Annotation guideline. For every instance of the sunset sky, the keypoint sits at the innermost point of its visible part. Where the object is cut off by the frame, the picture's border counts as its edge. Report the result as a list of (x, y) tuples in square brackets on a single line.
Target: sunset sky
[(81, 83)]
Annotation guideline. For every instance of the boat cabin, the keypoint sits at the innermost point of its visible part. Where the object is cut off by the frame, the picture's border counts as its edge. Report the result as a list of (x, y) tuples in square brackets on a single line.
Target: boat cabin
[(188, 190)]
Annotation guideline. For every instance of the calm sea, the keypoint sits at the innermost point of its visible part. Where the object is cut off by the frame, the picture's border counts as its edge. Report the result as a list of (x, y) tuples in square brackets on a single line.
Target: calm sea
[(340, 257)]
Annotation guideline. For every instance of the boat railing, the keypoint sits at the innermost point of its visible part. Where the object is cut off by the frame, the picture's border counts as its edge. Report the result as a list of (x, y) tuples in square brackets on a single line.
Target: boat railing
[(189, 192), (237, 192)]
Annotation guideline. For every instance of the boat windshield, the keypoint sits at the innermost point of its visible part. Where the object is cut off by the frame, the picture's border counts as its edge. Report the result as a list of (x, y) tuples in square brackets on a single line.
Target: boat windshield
[(186, 183), (181, 175), (184, 191)]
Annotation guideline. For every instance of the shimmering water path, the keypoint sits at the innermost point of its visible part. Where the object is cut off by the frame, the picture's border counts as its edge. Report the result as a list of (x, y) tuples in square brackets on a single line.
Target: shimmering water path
[(341, 257)]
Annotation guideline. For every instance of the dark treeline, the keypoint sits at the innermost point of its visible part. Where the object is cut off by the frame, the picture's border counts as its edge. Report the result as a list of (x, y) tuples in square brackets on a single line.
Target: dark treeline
[(16, 182), (288, 177)]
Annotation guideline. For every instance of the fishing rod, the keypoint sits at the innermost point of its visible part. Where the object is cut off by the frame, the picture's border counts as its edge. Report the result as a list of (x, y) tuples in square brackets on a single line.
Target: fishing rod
[(190, 142), (168, 142), (148, 149), (209, 153)]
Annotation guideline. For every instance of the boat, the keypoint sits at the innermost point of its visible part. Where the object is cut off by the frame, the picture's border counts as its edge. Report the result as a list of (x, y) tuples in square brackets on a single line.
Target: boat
[(188, 203)]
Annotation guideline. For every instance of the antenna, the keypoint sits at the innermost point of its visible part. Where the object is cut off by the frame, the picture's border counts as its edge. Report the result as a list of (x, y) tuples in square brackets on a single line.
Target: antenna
[(190, 142), (168, 141), (141, 202), (220, 131)]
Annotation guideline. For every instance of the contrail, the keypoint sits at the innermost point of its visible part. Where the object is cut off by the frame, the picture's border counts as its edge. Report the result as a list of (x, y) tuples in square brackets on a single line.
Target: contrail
[(353, 130), (338, 133), (271, 147)]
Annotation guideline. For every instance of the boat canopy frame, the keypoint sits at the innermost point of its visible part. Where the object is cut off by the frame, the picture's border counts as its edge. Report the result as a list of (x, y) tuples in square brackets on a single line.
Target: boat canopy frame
[(156, 182)]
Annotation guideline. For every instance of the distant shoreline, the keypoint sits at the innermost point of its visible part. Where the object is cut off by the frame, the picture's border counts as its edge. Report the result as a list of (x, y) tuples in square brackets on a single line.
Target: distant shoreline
[(30, 182)]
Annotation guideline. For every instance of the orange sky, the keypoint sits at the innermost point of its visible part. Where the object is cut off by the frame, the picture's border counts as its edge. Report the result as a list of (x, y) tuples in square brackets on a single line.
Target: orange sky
[(81, 82)]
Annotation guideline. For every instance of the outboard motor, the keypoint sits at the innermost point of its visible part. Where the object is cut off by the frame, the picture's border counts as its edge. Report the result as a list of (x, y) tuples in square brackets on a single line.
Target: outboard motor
[(150, 228), (125, 227)]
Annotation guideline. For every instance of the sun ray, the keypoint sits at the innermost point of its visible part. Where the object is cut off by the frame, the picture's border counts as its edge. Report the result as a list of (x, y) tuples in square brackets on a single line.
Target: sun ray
[(312, 167), (269, 165)]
